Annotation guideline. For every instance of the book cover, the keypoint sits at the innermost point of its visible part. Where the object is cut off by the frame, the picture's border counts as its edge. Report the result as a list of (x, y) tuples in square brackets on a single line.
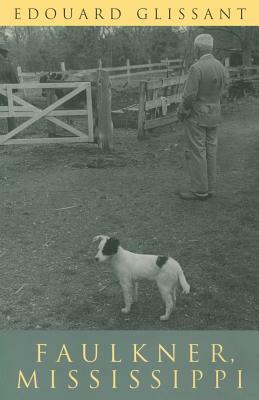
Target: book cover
[(129, 196)]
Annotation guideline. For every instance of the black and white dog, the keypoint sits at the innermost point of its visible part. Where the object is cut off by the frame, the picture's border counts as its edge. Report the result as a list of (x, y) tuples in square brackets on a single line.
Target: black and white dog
[(131, 267)]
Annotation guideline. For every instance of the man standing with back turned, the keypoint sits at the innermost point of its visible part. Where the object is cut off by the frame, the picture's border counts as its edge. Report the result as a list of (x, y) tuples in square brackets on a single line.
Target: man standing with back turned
[(201, 114)]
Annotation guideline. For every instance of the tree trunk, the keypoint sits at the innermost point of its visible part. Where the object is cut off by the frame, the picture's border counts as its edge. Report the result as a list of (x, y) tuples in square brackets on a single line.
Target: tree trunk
[(247, 59), (247, 45)]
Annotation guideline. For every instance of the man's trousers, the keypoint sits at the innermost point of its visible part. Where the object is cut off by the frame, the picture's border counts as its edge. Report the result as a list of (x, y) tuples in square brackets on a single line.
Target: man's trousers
[(200, 154)]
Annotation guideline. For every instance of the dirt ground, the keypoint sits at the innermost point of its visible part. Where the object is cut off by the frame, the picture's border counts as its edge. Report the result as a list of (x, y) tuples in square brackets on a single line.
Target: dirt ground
[(55, 198)]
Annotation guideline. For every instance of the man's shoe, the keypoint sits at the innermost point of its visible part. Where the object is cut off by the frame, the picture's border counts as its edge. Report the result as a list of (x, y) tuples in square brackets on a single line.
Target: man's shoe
[(192, 196)]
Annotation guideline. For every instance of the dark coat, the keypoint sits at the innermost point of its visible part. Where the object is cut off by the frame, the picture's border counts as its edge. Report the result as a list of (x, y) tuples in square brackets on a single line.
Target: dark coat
[(7, 71), (7, 75)]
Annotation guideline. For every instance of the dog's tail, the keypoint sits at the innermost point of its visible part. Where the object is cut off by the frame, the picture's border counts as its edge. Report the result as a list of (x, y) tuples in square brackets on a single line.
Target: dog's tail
[(185, 285)]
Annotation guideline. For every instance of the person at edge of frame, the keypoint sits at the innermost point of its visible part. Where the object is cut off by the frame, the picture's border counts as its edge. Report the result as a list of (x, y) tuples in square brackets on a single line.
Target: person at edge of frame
[(200, 111), (7, 75)]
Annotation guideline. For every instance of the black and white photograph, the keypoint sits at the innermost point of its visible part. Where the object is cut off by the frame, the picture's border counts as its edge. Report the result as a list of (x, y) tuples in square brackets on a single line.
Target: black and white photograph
[(129, 178)]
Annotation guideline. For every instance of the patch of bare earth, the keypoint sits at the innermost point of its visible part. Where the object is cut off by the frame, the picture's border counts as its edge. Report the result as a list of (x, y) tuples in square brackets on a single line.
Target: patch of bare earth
[(54, 199)]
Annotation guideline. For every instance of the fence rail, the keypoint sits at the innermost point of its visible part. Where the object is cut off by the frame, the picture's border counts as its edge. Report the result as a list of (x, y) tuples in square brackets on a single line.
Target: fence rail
[(17, 107), (157, 103), (127, 71)]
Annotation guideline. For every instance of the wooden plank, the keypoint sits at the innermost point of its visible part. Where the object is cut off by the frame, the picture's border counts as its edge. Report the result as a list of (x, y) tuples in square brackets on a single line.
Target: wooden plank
[(43, 113), (20, 76), (20, 101), (35, 85), (37, 141), (89, 111), (50, 97), (139, 73), (27, 74), (63, 66), (52, 119), (28, 112), (172, 61), (81, 75), (174, 98), (68, 128), (147, 66), (111, 69), (128, 70), (15, 108), (10, 101), (154, 94), (65, 98), (58, 122), (67, 113), (23, 102), (140, 66), (163, 82), (82, 71), (19, 72), (31, 113), (142, 114), (105, 125), (155, 123), (132, 67)]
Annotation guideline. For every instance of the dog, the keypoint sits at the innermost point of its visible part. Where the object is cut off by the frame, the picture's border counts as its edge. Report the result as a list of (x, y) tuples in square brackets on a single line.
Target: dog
[(132, 267)]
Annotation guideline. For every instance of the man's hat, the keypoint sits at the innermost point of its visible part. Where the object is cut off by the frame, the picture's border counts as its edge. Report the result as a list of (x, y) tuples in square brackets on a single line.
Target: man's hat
[(3, 46)]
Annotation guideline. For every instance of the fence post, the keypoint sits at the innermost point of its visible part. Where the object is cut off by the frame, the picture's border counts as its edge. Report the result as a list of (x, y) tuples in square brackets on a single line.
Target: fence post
[(100, 64), (128, 70), (20, 76), (149, 62), (142, 114), (167, 66), (63, 66), (105, 125), (227, 62), (50, 99), (19, 72)]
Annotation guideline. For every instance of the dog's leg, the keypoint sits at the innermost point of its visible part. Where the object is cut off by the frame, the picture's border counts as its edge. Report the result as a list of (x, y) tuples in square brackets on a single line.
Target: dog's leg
[(135, 294), (167, 297), (127, 294)]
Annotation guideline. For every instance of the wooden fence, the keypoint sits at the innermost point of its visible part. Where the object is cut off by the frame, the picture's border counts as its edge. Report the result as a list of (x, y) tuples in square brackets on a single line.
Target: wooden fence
[(17, 107), (131, 72), (158, 102), (159, 98), (157, 105), (99, 124), (126, 72)]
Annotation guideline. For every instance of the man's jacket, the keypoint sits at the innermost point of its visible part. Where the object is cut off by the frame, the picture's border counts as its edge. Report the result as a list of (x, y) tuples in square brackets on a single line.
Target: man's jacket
[(7, 75), (7, 71), (204, 87)]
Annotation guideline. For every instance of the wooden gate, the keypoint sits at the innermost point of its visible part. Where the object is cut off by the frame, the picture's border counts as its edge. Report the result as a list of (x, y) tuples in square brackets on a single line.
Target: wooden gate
[(18, 107), (157, 103)]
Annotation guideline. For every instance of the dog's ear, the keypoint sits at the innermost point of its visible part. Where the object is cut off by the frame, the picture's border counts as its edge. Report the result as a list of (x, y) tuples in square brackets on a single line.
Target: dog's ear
[(100, 237), (111, 246)]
